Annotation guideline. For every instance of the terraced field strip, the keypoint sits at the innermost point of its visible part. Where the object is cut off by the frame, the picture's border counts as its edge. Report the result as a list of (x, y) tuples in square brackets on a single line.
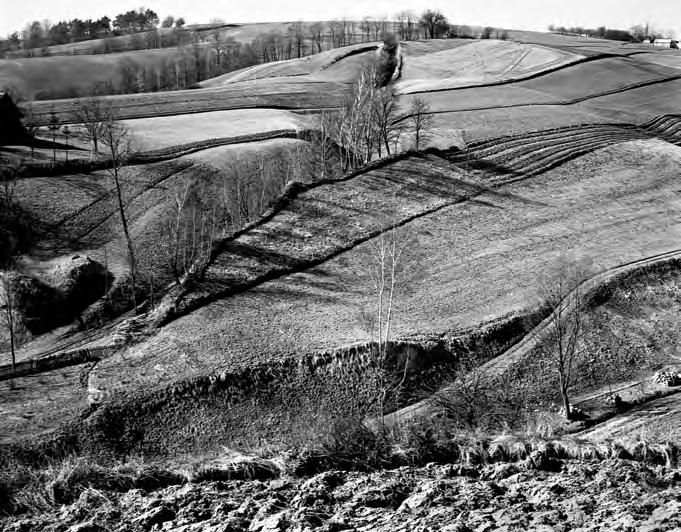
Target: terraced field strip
[(525, 155), (323, 220), (317, 222), (193, 147), (516, 79), (292, 67), (542, 99), (163, 154), (524, 347), (83, 222), (274, 93), (547, 72)]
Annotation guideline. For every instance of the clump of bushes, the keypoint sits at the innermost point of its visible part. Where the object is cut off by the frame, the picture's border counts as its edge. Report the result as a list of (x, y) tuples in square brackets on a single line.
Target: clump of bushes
[(388, 60)]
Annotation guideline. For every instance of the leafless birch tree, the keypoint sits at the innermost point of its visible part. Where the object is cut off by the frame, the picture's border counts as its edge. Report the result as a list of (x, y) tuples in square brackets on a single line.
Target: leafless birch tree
[(420, 120), (92, 115), (389, 266), (563, 292), (118, 142), (190, 227), (7, 307)]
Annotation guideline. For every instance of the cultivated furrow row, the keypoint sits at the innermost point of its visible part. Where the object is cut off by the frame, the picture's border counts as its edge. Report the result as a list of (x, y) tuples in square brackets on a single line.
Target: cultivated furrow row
[(92, 216), (516, 156), (501, 149)]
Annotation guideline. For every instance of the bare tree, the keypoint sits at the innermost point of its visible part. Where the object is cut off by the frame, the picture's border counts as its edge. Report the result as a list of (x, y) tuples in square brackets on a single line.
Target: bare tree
[(562, 291), (189, 229), (54, 127), (420, 120), (316, 160), (8, 178), (316, 31), (365, 28), (384, 109), (297, 32), (30, 124), (476, 399), (389, 267), (410, 21), (365, 123), (7, 306), (335, 31), (117, 140), (433, 23)]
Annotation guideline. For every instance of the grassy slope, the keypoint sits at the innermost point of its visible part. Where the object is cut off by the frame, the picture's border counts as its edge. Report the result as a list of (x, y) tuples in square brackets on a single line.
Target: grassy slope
[(226, 157), (579, 45), (494, 246), (293, 67), (479, 62), (476, 261), (311, 82), (64, 76), (161, 132), (638, 104), (577, 82), (78, 213), (657, 420), (276, 93), (317, 309)]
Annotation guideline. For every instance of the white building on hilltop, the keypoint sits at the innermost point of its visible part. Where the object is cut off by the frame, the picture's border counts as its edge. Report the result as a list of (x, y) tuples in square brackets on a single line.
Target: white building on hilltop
[(664, 43)]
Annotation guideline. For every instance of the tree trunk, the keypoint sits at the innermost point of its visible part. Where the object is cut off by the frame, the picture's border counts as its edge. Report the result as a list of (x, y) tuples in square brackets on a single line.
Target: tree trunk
[(128, 239), (566, 401), (11, 340)]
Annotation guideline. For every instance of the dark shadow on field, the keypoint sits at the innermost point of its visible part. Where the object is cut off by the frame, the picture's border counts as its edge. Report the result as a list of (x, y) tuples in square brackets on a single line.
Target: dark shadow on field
[(312, 289), (490, 167), (509, 196), (236, 250), (483, 203)]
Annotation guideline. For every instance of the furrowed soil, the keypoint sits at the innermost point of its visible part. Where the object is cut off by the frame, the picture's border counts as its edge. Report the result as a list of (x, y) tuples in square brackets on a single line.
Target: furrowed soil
[(612, 495)]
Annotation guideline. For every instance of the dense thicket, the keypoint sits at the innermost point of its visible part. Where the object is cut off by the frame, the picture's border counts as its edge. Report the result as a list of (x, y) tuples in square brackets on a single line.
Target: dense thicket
[(37, 35), (601, 32)]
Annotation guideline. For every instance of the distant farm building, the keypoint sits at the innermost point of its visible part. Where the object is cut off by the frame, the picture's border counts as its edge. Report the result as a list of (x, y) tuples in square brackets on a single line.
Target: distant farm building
[(665, 43), (10, 120)]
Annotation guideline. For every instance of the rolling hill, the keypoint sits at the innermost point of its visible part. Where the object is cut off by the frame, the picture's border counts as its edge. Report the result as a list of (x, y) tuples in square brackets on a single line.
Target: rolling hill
[(541, 146)]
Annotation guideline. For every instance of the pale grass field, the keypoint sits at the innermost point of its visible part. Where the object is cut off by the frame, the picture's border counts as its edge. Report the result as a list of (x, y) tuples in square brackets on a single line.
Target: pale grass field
[(225, 157), (479, 62), (457, 128), (638, 105), (311, 64), (669, 58), (586, 84), (477, 261), (162, 132)]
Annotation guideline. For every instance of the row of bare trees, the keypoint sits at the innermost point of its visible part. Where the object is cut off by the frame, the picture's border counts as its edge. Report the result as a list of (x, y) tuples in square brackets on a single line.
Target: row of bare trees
[(369, 124)]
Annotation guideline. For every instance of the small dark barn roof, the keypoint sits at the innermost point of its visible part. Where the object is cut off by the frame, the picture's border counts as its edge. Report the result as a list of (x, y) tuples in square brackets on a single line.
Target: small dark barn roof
[(10, 120)]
